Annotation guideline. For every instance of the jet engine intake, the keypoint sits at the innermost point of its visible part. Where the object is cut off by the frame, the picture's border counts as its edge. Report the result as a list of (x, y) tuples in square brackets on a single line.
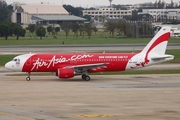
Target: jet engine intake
[(66, 73)]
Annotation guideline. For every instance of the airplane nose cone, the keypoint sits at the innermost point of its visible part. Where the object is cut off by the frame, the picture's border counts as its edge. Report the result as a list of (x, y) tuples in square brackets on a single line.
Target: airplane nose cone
[(8, 65)]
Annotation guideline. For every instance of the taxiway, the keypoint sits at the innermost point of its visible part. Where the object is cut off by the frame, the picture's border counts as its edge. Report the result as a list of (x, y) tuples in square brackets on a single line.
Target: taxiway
[(75, 48), (105, 97)]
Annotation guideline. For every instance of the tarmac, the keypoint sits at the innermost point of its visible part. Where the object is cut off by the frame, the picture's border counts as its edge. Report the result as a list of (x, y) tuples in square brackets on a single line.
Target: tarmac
[(75, 48), (104, 97)]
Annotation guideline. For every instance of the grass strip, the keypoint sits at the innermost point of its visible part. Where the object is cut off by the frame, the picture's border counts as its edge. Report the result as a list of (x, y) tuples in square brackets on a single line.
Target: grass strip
[(97, 38)]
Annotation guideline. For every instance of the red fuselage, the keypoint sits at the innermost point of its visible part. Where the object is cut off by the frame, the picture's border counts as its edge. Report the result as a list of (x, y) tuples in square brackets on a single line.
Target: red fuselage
[(52, 62)]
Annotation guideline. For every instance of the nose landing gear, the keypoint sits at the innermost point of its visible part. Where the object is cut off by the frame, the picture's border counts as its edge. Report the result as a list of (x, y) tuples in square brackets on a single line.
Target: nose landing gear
[(28, 78)]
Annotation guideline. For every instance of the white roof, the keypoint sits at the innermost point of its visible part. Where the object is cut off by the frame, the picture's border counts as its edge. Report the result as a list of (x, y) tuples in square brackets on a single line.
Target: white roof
[(176, 31), (44, 9), (58, 17)]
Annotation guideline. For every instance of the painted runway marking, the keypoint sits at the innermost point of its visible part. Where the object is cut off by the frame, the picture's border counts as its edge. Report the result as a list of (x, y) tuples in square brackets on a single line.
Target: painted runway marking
[(16, 116), (126, 114), (94, 116)]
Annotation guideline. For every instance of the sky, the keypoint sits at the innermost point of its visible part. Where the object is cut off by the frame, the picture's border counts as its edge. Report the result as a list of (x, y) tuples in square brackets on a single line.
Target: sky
[(86, 3)]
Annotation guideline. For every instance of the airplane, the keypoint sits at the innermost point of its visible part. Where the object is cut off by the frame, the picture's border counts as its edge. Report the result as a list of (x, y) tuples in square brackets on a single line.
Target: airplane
[(68, 65)]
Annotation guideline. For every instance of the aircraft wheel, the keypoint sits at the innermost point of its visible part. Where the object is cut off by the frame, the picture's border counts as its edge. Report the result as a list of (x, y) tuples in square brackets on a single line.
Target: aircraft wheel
[(83, 76), (87, 78), (28, 78)]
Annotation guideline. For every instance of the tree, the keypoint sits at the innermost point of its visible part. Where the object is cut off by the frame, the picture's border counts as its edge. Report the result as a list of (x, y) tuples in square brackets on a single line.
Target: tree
[(57, 29), (121, 27), (81, 30), (74, 11), (111, 27), (159, 4), (19, 31), (155, 4), (41, 32), (5, 12), (75, 28), (31, 28), (88, 17), (134, 15), (4, 15), (66, 26), (174, 22), (95, 18), (88, 28), (91, 8), (12, 27), (50, 29), (9, 28), (95, 29), (172, 4), (5, 29)]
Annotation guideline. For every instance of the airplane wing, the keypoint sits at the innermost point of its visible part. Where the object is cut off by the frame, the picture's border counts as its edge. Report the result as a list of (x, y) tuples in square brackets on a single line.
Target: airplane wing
[(86, 67)]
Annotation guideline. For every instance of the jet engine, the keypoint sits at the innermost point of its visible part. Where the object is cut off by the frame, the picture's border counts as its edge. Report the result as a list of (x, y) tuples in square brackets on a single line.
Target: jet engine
[(65, 73)]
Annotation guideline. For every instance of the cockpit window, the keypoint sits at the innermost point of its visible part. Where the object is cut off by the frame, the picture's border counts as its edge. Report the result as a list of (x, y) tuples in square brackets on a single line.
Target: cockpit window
[(16, 60)]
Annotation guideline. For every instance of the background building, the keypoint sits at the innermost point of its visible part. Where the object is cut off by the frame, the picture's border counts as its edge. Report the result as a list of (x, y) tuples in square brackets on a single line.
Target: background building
[(160, 15), (102, 14), (45, 13)]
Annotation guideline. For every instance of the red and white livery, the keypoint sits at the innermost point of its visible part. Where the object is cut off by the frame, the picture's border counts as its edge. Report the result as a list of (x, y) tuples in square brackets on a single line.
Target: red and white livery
[(69, 65)]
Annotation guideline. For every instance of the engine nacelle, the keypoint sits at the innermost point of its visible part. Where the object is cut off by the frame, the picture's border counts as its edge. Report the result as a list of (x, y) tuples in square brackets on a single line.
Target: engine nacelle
[(65, 72)]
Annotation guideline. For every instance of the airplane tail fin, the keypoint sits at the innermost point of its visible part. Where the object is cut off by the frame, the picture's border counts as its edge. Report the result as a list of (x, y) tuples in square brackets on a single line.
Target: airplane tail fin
[(159, 42)]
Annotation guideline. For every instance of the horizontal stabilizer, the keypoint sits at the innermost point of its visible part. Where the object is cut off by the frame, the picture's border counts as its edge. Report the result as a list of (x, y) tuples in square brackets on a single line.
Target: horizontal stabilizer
[(162, 57)]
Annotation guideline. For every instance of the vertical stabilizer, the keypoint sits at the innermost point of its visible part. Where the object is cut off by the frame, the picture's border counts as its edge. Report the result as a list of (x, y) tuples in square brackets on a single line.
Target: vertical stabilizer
[(159, 42), (154, 52)]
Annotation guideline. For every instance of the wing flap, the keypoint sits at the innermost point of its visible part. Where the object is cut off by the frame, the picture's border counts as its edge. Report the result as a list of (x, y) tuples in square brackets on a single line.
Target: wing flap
[(88, 65)]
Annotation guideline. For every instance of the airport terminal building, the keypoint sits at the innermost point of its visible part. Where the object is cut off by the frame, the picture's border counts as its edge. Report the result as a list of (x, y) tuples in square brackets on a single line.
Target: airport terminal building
[(102, 14), (45, 13)]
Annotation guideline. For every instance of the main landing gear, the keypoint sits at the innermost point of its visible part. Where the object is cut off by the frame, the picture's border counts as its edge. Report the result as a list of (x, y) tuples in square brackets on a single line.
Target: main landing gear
[(28, 78), (85, 77)]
